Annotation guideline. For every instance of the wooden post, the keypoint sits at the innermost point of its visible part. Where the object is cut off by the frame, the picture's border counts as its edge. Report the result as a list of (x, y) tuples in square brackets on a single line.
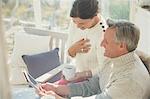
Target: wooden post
[(4, 79)]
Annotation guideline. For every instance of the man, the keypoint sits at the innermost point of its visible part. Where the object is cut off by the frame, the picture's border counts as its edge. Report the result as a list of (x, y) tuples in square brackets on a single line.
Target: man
[(123, 76)]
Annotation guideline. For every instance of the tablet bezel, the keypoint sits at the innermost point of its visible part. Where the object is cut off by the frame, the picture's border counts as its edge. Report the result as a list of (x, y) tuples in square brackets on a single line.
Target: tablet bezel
[(28, 79)]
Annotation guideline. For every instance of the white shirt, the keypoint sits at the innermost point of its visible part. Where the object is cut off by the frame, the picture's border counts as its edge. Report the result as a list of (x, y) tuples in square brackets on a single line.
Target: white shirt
[(92, 60)]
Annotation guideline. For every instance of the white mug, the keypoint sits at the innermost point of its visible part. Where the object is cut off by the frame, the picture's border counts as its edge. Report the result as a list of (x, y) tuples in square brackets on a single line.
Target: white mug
[(69, 72)]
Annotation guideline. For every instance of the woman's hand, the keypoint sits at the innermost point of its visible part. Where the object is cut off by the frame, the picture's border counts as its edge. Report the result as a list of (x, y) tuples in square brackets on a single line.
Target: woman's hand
[(80, 46)]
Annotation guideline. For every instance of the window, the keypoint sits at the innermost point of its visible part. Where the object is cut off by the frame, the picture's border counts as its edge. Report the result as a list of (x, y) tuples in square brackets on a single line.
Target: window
[(48, 14), (17, 11), (55, 13), (116, 9), (51, 13)]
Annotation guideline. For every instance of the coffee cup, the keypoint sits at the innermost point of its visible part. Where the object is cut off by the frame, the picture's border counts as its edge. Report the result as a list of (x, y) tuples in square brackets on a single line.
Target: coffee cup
[(69, 72)]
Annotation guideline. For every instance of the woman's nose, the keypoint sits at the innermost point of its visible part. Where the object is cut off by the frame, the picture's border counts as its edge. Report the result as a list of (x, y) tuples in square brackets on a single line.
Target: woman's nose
[(79, 26)]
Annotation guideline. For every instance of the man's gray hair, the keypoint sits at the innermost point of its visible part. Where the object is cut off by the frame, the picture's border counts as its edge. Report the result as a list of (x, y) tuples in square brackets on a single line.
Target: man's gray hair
[(126, 32)]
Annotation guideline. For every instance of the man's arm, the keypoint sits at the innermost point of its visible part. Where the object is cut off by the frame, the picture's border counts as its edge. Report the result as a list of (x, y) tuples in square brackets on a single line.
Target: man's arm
[(62, 90), (86, 88), (103, 95)]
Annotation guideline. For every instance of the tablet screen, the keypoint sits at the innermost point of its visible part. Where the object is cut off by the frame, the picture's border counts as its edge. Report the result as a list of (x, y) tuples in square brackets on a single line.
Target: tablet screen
[(30, 80)]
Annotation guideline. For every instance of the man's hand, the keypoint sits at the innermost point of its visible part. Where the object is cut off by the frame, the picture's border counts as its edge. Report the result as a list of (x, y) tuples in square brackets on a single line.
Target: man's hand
[(48, 90), (47, 87), (81, 46), (50, 95)]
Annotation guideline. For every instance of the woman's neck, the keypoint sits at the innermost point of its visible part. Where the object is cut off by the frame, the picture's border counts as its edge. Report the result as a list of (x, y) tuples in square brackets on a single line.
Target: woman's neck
[(96, 19)]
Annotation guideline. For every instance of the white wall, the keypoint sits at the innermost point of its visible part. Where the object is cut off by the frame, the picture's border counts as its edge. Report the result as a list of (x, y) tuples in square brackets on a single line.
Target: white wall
[(141, 17), (142, 20)]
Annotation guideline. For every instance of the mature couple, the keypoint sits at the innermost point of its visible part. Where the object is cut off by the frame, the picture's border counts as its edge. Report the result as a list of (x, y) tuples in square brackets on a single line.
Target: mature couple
[(122, 76)]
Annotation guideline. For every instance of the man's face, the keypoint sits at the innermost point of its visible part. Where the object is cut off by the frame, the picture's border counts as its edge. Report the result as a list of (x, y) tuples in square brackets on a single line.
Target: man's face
[(83, 23), (112, 49)]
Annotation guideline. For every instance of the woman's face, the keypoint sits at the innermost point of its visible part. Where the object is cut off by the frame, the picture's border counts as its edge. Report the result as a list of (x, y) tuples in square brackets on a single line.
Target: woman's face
[(83, 23)]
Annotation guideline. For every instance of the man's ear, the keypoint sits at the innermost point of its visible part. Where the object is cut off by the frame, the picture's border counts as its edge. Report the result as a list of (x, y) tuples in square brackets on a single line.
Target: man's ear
[(123, 46)]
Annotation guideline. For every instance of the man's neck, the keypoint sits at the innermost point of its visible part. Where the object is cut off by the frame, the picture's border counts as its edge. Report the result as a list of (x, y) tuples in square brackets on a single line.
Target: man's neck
[(123, 59)]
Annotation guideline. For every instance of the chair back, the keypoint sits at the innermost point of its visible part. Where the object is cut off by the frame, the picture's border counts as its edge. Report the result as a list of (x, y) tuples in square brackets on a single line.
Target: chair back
[(58, 40)]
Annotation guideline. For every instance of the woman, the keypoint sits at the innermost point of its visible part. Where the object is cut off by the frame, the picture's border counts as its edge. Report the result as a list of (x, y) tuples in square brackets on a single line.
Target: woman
[(86, 29)]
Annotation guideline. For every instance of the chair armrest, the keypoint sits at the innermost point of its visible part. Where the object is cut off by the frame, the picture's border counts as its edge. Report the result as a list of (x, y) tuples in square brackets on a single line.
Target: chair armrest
[(145, 59), (47, 76)]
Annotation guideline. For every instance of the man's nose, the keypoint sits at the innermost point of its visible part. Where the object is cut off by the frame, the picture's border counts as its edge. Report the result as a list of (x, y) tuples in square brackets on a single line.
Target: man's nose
[(102, 43)]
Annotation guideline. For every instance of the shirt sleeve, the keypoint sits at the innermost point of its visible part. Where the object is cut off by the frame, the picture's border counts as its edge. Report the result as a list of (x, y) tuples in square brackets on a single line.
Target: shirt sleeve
[(69, 42), (103, 96), (70, 39), (70, 35), (86, 88)]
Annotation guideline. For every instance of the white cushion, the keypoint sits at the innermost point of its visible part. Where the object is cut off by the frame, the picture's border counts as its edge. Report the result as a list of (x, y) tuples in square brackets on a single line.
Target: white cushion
[(25, 44)]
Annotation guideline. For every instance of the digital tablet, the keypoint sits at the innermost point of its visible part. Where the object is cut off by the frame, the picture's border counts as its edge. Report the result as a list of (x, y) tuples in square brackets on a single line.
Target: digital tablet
[(31, 81)]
